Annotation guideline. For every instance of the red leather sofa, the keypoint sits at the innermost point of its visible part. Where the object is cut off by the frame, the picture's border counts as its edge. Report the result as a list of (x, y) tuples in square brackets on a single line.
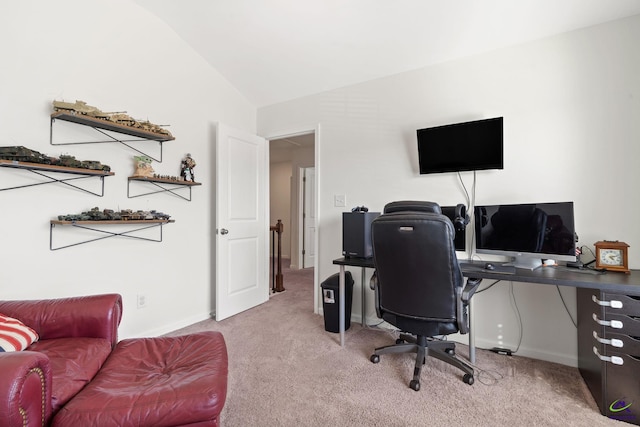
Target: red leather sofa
[(50, 383)]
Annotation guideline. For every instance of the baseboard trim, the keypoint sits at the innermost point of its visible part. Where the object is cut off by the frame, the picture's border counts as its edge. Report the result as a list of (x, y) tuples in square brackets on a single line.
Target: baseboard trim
[(165, 329)]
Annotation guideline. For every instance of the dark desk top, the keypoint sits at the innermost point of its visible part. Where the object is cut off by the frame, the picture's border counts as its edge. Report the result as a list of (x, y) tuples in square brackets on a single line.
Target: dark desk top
[(561, 276), (355, 262)]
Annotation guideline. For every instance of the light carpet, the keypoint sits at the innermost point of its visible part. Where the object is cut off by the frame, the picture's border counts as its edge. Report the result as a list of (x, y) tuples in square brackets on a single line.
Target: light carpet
[(286, 370)]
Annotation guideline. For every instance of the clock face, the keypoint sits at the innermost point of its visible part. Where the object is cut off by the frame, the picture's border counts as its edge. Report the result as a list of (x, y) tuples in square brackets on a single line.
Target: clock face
[(611, 256)]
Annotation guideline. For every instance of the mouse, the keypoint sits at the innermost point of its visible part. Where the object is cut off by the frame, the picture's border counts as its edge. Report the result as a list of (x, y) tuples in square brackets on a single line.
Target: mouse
[(489, 266)]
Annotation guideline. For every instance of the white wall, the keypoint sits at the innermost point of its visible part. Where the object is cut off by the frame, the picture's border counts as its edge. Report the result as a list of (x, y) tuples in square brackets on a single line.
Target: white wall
[(280, 176), (571, 105), (114, 55)]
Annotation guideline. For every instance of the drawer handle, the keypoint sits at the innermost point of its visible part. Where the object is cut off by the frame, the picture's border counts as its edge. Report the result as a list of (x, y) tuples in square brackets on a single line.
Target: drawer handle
[(616, 360), (613, 303), (617, 324), (613, 342)]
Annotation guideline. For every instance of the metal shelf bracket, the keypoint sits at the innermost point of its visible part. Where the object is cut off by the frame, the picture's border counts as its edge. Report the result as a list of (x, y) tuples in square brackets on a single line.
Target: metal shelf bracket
[(105, 234)]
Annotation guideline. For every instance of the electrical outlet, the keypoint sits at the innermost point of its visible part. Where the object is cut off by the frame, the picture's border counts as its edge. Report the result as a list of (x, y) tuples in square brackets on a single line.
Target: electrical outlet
[(339, 200), (142, 301)]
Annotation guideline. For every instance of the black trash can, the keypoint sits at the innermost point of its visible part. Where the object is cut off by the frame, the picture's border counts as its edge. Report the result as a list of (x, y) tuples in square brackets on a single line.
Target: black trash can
[(331, 301)]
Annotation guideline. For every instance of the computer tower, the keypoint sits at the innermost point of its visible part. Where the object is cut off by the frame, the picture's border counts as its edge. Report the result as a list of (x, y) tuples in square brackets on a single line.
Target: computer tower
[(356, 234)]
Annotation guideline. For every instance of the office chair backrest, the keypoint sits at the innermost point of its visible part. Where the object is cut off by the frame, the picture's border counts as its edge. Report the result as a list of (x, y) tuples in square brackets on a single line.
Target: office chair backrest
[(416, 266), (412, 206)]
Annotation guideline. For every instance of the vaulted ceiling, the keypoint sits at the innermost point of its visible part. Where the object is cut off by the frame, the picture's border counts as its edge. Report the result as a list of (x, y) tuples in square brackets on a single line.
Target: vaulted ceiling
[(277, 50)]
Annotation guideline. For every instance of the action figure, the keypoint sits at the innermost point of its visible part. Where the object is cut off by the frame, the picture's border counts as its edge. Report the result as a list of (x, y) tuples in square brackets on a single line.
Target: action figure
[(143, 167), (186, 168)]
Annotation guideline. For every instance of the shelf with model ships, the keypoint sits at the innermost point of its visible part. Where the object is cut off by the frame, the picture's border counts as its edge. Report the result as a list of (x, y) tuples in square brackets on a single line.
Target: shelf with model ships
[(22, 158), (106, 123), (94, 220)]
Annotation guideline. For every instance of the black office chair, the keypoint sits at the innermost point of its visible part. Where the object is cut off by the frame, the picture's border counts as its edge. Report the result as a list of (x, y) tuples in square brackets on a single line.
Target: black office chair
[(418, 284)]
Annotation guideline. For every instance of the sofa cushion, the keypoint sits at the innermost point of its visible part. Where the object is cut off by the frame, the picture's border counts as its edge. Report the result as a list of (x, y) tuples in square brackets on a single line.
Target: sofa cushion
[(74, 363), (15, 335), (155, 382)]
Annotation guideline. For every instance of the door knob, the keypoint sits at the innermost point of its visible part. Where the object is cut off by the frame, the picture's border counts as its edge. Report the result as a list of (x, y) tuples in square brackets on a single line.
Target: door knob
[(224, 231)]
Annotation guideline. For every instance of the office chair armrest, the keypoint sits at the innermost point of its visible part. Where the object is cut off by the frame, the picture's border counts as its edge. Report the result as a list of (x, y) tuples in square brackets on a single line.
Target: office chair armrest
[(463, 296), (470, 289), (373, 284)]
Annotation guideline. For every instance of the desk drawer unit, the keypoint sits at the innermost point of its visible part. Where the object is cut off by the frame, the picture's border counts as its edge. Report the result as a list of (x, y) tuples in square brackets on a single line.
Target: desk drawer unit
[(609, 351)]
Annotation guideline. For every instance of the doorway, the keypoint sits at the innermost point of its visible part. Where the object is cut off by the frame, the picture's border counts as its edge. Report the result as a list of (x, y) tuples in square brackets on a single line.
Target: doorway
[(291, 158)]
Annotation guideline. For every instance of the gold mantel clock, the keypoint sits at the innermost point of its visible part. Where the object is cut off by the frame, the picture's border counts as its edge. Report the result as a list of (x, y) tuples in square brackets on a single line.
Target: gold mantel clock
[(612, 255)]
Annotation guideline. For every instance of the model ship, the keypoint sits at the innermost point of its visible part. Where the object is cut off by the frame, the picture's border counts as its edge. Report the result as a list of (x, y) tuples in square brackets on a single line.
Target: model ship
[(23, 154), (95, 214), (119, 117)]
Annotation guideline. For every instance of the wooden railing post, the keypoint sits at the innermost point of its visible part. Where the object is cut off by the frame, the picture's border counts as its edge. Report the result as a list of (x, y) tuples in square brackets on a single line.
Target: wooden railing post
[(278, 282)]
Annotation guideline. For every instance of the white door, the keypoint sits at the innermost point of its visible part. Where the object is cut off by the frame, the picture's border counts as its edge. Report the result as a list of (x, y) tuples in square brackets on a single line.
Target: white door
[(242, 221), (309, 218)]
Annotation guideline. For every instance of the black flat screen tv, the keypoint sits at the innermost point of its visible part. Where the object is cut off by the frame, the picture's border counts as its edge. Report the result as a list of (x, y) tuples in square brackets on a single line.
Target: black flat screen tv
[(459, 147)]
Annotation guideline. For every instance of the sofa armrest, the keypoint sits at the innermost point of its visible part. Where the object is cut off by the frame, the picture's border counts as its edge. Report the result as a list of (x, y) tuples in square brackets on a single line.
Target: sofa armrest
[(95, 316), (25, 389)]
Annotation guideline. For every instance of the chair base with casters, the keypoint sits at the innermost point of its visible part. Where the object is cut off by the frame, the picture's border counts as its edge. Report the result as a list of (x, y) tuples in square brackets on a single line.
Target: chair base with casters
[(423, 347)]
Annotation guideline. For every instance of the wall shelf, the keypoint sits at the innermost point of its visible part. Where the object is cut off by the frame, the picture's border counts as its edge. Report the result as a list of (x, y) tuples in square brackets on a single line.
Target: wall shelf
[(101, 228), (165, 186), (44, 170), (104, 126)]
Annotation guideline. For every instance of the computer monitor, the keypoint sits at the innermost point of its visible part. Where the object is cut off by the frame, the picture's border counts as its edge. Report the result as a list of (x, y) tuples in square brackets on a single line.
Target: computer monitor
[(526, 232)]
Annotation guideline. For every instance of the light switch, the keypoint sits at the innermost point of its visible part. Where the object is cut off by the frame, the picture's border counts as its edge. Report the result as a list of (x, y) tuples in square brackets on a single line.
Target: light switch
[(339, 201)]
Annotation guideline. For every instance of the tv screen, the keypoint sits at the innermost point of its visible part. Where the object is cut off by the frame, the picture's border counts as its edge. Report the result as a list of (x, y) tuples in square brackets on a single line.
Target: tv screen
[(461, 147), (527, 232)]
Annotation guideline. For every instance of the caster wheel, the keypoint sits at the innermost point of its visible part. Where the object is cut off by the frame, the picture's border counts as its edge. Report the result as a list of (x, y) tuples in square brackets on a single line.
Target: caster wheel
[(468, 378), (415, 385), (450, 351), (374, 358)]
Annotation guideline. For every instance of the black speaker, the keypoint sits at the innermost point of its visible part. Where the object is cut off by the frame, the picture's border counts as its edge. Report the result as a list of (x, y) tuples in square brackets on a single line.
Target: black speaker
[(356, 234)]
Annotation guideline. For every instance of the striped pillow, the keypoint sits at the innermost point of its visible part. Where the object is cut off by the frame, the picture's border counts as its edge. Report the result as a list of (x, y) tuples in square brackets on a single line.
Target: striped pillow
[(15, 335)]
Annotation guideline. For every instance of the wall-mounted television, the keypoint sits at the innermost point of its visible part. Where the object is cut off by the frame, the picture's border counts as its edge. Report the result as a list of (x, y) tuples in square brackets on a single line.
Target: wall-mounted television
[(459, 147), (527, 232)]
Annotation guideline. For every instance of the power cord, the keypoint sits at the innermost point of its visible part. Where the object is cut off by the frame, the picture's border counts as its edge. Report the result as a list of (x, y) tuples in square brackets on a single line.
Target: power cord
[(488, 287), (473, 189), (566, 308), (471, 202), (485, 376), (517, 311)]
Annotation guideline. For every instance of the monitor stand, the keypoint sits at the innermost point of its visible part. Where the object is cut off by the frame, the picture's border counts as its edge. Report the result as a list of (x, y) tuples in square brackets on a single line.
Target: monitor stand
[(525, 263)]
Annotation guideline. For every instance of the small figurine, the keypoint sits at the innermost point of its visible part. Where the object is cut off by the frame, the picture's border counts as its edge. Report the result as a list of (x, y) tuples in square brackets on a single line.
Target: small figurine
[(186, 168), (143, 167)]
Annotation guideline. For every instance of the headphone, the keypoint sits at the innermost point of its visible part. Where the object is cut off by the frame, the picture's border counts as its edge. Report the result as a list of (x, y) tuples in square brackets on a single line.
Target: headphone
[(461, 218)]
